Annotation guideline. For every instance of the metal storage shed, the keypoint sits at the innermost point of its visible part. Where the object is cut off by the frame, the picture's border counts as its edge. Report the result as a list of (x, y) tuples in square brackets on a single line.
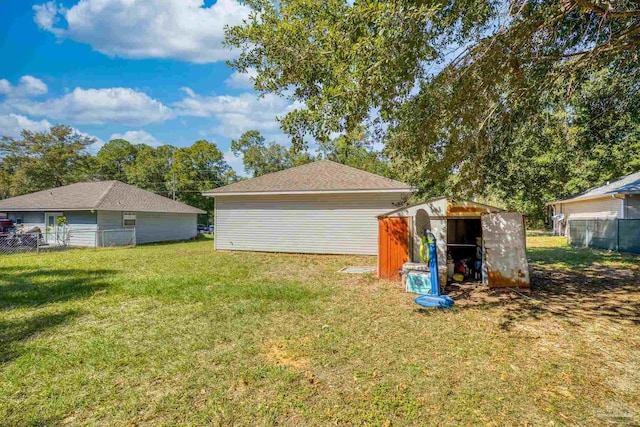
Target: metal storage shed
[(461, 228)]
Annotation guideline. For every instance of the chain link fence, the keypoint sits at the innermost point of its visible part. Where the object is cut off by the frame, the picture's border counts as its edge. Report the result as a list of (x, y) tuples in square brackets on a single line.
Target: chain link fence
[(116, 238), (33, 241), (11, 243), (621, 235), (60, 238)]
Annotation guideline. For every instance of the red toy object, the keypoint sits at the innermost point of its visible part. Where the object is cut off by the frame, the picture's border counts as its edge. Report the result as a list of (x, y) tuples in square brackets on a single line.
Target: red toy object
[(460, 267)]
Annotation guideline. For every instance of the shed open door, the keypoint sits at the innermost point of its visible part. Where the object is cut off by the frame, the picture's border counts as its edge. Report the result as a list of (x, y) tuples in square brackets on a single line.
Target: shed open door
[(393, 246), (505, 250)]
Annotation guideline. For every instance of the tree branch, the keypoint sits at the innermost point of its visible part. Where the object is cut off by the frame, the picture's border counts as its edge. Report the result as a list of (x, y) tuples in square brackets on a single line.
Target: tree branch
[(599, 10), (606, 47)]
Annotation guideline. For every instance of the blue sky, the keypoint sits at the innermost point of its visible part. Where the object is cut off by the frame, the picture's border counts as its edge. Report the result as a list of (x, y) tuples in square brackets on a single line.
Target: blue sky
[(152, 71)]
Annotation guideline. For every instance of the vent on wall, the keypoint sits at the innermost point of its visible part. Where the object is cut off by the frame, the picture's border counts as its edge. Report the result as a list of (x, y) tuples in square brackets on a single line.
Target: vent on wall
[(129, 220)]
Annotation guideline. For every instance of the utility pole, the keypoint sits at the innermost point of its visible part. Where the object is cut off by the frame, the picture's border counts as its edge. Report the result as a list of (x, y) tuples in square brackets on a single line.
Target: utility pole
[(173, 185)]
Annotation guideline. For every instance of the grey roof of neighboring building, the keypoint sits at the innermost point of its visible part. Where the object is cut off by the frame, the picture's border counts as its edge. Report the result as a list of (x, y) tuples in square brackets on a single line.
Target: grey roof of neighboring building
[(98, 196), (319, 176), (629, 184)]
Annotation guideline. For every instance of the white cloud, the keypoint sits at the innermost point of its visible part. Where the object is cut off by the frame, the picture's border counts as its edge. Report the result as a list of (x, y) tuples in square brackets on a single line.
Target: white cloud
[(11, 125), (138, 137), (236, 114), (179, 29), (28, 86), (5, 87), (241, 80), (31, 86), (46, 16), (96, 146), (121, 105), (235, 162)]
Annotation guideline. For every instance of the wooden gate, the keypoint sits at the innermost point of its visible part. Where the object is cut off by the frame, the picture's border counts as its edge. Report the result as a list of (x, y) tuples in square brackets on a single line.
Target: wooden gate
[(393, 246)]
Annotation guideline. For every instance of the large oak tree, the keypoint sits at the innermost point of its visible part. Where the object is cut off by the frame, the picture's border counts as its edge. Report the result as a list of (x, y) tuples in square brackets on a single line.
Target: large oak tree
[(447, 84)]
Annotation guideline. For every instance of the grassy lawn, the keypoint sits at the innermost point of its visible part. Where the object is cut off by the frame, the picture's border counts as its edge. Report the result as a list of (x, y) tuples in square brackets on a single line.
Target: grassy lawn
[(179, 334)]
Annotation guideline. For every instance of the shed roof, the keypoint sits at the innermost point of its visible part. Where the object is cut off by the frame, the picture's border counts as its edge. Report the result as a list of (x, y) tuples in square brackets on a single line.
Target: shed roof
[(97, 195), (629, 184), (320, 176), (445, 207)]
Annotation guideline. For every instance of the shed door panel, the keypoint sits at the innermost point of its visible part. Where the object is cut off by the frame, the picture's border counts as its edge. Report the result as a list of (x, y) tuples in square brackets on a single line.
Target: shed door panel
[(393, 246), (505, 250)]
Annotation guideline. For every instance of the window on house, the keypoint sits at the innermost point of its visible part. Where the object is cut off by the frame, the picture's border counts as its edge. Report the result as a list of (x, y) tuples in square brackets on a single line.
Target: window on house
[(129, 220)]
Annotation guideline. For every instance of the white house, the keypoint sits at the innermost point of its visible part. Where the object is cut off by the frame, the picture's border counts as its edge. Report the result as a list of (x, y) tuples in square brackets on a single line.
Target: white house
[(96, 211), (619, 199), (322, 207)]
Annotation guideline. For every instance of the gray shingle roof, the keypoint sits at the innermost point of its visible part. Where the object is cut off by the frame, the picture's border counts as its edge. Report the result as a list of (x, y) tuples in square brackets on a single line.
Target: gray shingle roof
[(624, 185), (99, 195), (323, 175)]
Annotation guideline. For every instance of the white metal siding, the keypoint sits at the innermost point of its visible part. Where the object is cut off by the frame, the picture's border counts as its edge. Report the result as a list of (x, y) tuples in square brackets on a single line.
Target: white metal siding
[(82, 235), (153, 226), (29, 219), (161, 227), (323, 223), (82, 228), (81, 225), (109, 220), (596, 208), (633, 207)]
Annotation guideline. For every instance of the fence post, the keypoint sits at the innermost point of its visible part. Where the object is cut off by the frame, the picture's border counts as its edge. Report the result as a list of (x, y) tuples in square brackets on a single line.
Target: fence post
[(38, 243), (617, 235), (587, 234)]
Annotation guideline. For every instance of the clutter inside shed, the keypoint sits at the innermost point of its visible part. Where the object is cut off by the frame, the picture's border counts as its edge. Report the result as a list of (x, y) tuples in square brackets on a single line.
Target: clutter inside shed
[(464, 250)]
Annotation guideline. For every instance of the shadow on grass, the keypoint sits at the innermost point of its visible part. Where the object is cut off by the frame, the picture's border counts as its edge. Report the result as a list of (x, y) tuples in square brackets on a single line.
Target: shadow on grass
[(14, 332), (576, 296), (574, 284), (198, 239), (32, 287)]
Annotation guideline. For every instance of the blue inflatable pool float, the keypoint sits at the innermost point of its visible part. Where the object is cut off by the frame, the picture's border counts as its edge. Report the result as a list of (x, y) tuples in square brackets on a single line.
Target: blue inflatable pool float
[(435, 299), (429, 301)]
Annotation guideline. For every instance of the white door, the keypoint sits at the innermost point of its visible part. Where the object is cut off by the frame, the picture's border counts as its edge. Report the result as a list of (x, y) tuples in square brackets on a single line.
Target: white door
[(505, 250), (52, 230)]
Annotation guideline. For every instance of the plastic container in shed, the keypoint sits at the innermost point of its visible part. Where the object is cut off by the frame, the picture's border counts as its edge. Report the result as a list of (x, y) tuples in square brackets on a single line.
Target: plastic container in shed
[(417, 278), (419, 282)]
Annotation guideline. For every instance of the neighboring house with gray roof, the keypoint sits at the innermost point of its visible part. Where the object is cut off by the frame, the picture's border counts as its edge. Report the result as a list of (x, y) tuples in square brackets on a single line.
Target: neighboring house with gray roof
[(321, 207), (619, 199), (90, 207)]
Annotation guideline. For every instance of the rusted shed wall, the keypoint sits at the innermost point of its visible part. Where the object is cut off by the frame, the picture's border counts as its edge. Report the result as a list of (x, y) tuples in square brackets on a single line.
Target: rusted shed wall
[(505, 250)]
